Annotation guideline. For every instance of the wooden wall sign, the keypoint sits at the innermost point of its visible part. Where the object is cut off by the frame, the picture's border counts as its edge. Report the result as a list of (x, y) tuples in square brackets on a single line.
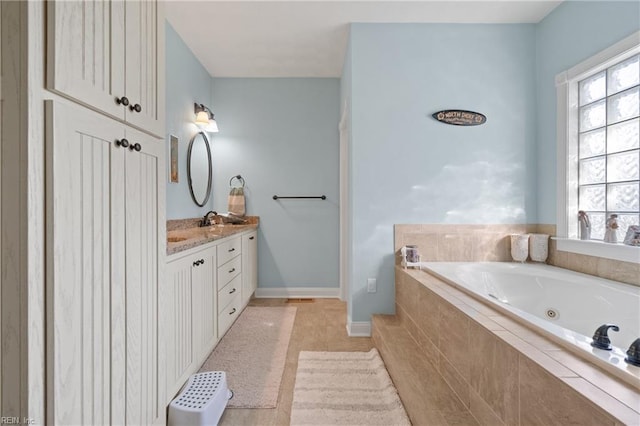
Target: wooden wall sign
[(459, 117)]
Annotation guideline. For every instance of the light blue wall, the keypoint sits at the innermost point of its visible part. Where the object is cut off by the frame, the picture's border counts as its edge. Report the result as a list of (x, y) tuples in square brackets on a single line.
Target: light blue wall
[(187, 82), (409, 168), (281, 135), (573, 32)]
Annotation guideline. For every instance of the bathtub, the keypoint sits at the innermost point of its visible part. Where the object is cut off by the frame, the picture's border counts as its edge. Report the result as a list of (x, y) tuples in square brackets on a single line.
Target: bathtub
[(565, 306)]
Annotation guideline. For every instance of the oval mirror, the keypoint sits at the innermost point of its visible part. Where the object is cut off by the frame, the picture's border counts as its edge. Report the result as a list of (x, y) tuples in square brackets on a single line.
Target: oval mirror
[(199, 168)]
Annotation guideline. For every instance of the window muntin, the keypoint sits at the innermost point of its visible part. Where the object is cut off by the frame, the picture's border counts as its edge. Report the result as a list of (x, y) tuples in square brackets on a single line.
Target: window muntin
[(609, 146)]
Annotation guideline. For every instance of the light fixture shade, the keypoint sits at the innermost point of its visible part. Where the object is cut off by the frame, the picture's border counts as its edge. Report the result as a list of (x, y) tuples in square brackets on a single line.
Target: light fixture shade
[(205, 118), (202, 118)]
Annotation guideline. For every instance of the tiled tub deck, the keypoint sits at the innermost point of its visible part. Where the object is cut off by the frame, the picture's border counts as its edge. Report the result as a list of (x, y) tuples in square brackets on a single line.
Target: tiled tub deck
[(455, 360)]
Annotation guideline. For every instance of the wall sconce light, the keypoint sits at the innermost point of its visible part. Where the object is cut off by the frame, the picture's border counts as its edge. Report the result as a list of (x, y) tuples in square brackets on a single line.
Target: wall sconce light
[(205, 118)]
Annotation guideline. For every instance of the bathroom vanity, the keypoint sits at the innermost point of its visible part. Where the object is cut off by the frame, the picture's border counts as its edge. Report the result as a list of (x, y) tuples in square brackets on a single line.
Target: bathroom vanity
[(211, 276)]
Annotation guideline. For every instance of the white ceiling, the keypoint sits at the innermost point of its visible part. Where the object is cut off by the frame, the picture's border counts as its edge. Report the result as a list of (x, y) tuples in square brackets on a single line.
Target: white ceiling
[(303, 38)]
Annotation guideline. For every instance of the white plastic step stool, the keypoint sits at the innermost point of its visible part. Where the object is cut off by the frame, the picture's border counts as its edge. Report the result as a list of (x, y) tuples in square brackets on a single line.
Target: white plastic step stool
[(202, 401)]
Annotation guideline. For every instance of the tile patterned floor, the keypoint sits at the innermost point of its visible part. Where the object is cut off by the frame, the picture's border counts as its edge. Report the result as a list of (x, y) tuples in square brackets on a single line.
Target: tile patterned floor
[(319, 326)]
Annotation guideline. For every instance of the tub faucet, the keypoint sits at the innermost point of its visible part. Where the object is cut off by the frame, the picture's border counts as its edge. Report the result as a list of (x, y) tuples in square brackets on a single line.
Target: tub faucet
[(600, 338), (205, 219), (633, 354)]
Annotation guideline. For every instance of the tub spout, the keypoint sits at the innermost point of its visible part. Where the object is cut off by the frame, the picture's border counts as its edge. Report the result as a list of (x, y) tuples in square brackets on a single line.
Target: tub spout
[(633, 354), (600, 337)]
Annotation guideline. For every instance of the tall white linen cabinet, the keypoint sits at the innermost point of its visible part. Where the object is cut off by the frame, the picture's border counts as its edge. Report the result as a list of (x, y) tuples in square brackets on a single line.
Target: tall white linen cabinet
[(91, 313)]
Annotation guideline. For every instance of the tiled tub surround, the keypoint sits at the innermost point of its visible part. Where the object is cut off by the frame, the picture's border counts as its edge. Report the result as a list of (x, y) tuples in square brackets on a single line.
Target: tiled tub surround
[(459, 243), (616, 270), (501, 372), (477, 243), (184, 234), (581, 303)]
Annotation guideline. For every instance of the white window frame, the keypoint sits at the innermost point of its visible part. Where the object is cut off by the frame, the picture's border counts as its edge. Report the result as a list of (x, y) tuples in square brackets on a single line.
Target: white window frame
[(567, 154)]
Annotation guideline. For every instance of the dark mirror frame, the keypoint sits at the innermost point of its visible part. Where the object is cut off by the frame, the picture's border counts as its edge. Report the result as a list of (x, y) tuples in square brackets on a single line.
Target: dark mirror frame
[(206, 144)]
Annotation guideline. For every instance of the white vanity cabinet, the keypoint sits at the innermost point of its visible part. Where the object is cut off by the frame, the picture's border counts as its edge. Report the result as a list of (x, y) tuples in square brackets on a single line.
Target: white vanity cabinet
[(229, 283), (108, 55), (204, 300), (191, 319), (105, 227), (249, 265)]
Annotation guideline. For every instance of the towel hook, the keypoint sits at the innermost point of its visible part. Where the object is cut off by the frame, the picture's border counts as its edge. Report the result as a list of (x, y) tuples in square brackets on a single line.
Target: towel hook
[(240, 178)]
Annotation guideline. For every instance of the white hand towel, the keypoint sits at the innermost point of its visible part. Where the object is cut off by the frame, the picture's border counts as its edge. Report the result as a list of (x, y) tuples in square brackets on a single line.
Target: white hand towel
[(237, 202)]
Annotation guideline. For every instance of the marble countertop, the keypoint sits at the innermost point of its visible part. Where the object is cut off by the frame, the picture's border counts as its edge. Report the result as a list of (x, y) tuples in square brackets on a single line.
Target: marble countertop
[(185, 234)]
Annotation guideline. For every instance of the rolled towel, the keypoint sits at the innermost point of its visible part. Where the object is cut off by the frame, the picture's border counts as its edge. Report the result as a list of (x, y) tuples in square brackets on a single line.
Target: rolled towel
[(237, 202)]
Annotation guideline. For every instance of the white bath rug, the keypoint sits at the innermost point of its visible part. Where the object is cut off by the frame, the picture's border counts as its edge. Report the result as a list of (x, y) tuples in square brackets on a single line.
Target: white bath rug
[(253, 354), (345, 388)]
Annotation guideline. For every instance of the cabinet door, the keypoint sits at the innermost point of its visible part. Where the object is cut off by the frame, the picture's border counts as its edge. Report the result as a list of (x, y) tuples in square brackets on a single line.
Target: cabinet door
[(249, 265), (103, 50), (179, 326), (144, 43), (142, 180), (85, 60), (85, 267), (204, 303)]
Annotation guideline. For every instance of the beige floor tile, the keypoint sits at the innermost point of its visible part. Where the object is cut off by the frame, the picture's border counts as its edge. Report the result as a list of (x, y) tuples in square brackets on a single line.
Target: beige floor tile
[(282, 418)]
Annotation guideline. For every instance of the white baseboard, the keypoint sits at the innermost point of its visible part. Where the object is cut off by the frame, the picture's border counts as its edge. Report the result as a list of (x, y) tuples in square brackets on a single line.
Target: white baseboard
[(359, 328), (298, 292)]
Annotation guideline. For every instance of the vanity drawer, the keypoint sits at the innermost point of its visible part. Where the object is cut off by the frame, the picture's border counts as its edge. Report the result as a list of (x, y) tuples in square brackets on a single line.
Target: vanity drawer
[(229, 271), (228, 315), (229, 249), (231, 290)]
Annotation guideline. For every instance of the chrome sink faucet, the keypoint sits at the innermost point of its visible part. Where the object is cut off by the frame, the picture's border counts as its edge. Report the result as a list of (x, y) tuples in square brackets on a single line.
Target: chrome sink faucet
[(206, 221)]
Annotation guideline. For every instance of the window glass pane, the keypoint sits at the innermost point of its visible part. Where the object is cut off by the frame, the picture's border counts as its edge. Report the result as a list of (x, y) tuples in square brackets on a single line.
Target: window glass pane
[(608, 119), (623, 75), (624, 222), (592, 88), (623, 136), (593, 116), (623, 106), (592, 171), (597, 225), (623, 197), (592, 198), (623, 166), (592, 143)]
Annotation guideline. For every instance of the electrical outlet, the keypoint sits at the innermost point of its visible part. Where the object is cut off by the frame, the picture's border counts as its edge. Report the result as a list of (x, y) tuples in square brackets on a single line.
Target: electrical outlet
[(371, 285)]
